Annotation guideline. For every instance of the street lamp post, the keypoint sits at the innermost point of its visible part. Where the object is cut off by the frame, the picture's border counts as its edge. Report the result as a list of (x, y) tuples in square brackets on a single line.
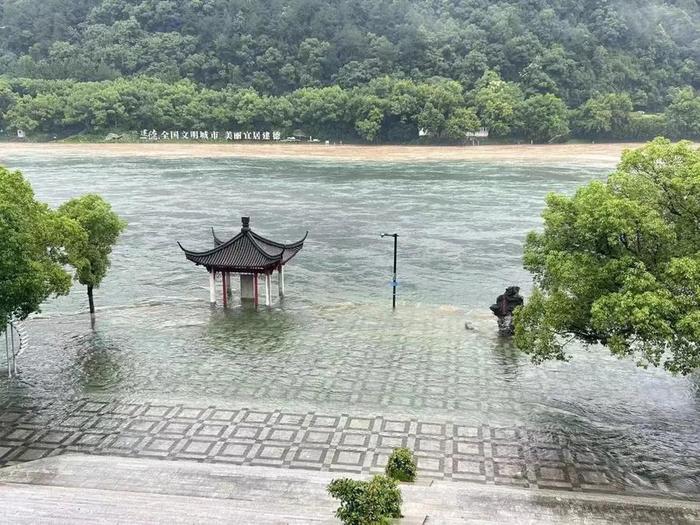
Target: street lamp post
[(393, 283)]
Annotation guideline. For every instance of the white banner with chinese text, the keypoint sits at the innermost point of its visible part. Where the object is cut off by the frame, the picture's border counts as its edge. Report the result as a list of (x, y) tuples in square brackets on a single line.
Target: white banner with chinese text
[(209, 135)]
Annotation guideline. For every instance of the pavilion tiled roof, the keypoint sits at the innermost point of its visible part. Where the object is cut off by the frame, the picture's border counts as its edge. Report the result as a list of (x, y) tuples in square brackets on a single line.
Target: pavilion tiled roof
[(245, 252)]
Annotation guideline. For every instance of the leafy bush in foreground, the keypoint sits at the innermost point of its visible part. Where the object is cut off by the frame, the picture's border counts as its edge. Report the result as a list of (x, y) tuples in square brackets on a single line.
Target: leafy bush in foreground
[(373, 502), (401, 465)]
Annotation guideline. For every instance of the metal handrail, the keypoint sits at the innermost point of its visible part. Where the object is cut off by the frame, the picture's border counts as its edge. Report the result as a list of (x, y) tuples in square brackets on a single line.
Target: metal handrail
[(16, 342), (23, 337)]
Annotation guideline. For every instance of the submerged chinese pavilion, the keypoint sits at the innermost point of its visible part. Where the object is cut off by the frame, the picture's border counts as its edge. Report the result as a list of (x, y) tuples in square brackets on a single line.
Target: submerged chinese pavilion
[(250, 255)]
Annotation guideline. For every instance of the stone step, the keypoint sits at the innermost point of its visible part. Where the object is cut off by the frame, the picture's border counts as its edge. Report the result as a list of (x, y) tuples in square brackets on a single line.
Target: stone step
[(186, 478), (61, 489), (66, 489), (32, 504), (163, 488)]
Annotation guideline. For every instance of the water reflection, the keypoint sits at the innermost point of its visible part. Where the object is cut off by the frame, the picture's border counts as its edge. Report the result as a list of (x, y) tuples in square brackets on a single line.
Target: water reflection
[(243, 330), (508, 357), (98, 359)]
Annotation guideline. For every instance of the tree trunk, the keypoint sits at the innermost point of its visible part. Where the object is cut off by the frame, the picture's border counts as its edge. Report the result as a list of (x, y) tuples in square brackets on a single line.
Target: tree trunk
[(92, 303)]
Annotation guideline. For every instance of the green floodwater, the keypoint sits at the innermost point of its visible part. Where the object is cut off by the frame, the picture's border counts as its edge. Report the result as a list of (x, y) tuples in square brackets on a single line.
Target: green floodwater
[(334, 344)]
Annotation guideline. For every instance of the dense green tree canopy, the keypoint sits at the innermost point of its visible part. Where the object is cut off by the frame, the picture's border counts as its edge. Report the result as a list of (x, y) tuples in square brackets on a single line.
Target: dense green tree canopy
[(36, 242), (498, 103), (683, 114), (31, 241), (605, 116), (628, 69), (102, 227), (569, 48), (387, 108), (545, 119), (618, 264)]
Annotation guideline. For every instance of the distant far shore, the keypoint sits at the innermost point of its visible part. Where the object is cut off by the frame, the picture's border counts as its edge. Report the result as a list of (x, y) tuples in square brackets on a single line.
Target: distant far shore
[(604, 155)]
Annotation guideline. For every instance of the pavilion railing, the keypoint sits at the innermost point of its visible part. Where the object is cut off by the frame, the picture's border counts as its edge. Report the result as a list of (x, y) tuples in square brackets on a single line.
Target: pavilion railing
[(16, 342)]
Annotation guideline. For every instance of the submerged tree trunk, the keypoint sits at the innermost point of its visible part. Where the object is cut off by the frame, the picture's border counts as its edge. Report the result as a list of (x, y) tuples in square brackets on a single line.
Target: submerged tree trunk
[(92, 303)]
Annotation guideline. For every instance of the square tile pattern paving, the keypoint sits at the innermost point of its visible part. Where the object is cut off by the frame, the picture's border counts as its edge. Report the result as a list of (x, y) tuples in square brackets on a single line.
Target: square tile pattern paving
[(343, 443)]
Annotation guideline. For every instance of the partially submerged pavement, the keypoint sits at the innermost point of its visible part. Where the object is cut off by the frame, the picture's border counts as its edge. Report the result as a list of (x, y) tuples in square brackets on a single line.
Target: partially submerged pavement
[(313, 440), (70, 488)]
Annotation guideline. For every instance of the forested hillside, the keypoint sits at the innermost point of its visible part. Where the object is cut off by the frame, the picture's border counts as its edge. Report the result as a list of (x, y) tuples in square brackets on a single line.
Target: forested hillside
[(586, 68)]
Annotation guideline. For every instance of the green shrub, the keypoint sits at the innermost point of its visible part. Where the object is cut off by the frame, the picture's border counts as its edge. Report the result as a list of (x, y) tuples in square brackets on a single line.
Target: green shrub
[(647, 126), (372, 502), (401, 465)]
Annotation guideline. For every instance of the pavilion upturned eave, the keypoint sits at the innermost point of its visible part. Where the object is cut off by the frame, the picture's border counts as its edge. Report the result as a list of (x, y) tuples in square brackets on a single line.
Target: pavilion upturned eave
[(241, 257), (265, 246), (290, 245), (245, 253)]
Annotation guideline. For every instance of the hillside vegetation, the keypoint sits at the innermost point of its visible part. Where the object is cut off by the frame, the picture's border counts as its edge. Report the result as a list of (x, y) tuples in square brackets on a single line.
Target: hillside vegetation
[(375, 70)]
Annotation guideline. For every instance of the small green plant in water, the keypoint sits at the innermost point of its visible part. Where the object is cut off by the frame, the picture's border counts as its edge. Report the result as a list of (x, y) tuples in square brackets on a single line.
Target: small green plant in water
[(373, 502), (401, 465)]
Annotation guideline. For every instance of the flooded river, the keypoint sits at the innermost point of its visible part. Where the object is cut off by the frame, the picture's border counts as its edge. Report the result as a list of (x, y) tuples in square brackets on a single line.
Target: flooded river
[(334, 344)]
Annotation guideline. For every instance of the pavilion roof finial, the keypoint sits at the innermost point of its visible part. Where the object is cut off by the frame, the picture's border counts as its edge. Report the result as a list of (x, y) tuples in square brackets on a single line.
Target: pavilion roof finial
[(246, 223)]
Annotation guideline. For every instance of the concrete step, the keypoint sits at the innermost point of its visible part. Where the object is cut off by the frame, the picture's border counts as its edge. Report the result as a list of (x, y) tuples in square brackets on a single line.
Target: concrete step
[(185, 478), (60, 489), (134, 490), (32, 504)]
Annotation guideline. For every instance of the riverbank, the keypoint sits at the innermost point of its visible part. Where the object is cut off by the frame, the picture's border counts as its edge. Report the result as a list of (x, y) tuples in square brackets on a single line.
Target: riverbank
[(570, 154)]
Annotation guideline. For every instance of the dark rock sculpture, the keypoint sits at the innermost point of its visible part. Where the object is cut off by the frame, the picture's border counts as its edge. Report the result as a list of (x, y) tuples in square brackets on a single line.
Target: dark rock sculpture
[(504, 307)]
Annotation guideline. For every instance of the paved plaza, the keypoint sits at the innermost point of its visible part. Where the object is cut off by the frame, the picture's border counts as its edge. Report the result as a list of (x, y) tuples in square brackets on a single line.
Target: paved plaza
[(328, 390), (309, 440)]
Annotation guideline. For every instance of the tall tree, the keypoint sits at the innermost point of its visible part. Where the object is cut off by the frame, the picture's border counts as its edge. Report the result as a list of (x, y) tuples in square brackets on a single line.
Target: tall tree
[(605, 116), (31, 240), (683, 114), (498, 104), (545, 119), (7, 98), (461, 122), (618, 264), (102, 228)]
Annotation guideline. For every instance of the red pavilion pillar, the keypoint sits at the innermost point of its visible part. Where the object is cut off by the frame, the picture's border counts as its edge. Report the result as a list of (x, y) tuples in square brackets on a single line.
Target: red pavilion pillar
[(224, 285)]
